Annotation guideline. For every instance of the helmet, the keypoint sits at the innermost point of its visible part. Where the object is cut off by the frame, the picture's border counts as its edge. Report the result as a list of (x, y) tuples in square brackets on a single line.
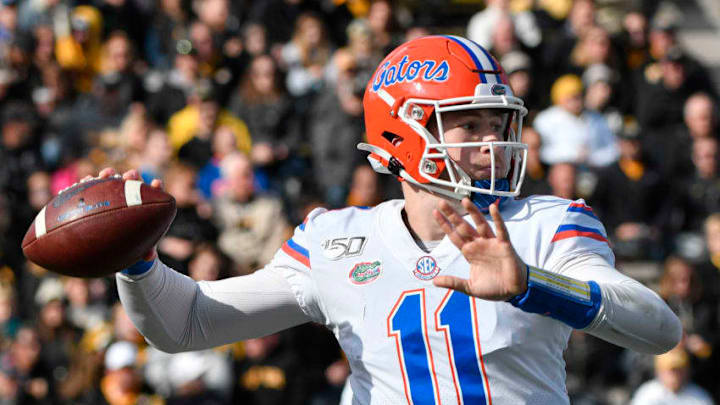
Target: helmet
[(422, 79)]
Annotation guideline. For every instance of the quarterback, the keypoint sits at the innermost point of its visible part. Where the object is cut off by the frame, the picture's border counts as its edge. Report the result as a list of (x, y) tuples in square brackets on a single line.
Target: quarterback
[(458, 293)]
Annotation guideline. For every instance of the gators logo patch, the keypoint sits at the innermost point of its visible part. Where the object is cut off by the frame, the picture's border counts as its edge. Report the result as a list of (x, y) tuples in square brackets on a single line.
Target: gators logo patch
[(410, 70), (365, 272)]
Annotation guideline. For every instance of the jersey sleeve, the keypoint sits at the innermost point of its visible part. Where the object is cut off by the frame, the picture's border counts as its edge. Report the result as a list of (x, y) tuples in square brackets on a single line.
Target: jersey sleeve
[(293, 262), (579, 232)]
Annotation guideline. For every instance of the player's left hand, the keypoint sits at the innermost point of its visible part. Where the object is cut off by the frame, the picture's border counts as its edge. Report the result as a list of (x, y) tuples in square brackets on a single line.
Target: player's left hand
[(496, 271)]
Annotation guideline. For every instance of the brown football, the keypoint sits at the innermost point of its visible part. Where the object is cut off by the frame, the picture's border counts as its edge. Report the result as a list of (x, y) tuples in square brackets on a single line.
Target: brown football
[(97, 227)]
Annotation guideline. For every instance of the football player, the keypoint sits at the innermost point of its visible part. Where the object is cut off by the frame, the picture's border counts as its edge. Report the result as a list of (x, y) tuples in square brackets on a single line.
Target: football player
[(458, 293)]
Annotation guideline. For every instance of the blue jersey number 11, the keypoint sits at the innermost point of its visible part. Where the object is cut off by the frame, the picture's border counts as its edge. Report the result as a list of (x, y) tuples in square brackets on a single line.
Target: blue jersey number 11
[(456, 319)]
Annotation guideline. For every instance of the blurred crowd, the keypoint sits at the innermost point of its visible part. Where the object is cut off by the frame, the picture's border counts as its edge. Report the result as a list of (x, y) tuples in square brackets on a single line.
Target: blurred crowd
[(249, 111)]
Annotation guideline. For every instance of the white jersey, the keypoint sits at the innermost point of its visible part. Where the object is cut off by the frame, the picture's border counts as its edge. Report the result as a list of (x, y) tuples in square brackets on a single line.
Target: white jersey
[(360, 272)]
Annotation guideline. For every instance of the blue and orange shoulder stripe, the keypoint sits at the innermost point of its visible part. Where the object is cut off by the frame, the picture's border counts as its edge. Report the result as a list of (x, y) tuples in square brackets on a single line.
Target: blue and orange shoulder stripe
[(294, 248), (580, 222)]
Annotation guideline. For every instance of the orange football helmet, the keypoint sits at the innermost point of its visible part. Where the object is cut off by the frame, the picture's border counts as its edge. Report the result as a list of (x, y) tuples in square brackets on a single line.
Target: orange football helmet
[(428, 76)]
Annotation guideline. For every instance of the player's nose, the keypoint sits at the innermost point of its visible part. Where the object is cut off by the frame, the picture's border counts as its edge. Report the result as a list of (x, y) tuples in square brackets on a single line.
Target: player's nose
[(493, 137)]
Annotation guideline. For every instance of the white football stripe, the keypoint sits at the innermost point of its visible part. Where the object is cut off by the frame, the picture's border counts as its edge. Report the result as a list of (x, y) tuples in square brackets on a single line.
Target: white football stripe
[(40, 228), (132, 192), (482, 58)]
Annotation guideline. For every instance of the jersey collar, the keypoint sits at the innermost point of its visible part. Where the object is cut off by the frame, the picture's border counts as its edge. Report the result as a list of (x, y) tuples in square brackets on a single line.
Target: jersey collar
[(483, 201)]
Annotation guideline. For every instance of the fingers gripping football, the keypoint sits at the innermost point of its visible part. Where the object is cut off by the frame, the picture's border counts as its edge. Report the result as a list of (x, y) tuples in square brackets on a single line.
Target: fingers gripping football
[(99, 225), (496, 271)]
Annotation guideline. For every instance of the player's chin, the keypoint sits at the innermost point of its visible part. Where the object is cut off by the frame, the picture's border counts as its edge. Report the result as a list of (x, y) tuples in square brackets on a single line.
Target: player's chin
[(486, 173)]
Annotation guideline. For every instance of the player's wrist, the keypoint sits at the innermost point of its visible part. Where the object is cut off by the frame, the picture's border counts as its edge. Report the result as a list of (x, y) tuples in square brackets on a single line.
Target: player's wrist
[(573, 302), (142, 266)]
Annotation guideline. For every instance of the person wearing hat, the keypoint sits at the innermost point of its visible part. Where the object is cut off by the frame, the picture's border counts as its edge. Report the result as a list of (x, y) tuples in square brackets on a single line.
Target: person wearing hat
[(671, 385), (518, 68), (78, 46), (570, 133), (599, 81), (122, 383)]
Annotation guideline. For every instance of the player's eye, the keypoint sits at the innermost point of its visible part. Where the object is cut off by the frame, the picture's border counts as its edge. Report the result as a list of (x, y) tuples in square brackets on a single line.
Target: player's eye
[(496, 126), (469, 126)]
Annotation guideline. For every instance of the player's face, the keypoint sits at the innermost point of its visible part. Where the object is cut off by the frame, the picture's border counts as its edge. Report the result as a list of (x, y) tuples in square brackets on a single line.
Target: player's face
[(486, 125)]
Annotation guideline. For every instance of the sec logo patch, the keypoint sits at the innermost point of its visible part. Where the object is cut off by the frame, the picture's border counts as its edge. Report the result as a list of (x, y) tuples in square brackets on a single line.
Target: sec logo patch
[(426, 268)]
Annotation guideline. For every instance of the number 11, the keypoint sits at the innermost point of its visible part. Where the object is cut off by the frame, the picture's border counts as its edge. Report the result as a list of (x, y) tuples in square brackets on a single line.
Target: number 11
[(456, 318)]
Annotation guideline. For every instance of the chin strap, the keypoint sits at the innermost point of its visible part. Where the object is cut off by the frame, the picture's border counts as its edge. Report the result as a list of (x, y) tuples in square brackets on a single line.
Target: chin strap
[(483, 201)]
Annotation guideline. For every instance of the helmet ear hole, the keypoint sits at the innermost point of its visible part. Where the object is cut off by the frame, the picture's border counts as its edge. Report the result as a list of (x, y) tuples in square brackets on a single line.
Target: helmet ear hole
[(394, 139)]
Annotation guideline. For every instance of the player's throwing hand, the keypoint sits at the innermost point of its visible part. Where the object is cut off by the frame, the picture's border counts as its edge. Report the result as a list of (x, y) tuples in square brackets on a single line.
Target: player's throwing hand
[(496, 271)]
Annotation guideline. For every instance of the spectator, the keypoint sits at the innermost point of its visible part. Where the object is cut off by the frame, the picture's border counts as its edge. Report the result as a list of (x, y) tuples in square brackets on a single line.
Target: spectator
[(204, 377), (561, 178), (282, 16), (535, 181), (252, 227), (78, 46), (117, 59), (206, 263), (123, 328), (594, 47), (482, 24), (19, 160), (81, 386), (191, 128), (671, 384), (519, 70), (599, 81), (192, 224), (700, 195), (264, 106), (558, 50), (38, 12), (210, 180), (335, 127), (255, 39), (178, 84), (360, 49), (663, 42), (188, 375), (306, 55), (122, 383), (571, 133), (25, 378), (709, 271), (169, 24), (634, 40), (9, 320), (365, 187), (504, 38), (384, 25), (634, 225), (683, 288), (269, 374), (672, 148), (8, 23), (81, 311), (128, 144), (660, 101), (123, 16), (57, 336), (156, 156)]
